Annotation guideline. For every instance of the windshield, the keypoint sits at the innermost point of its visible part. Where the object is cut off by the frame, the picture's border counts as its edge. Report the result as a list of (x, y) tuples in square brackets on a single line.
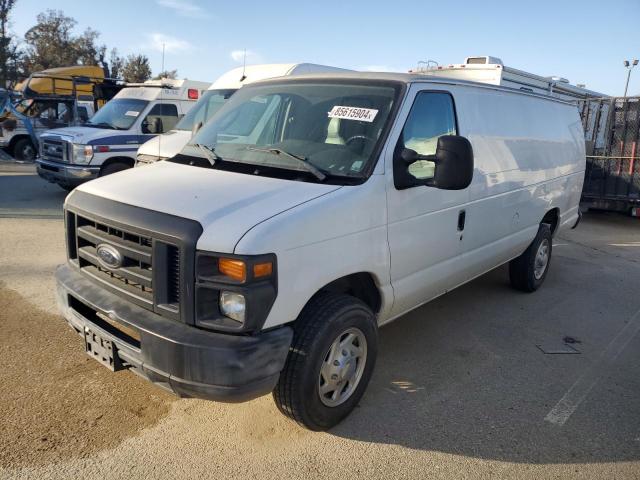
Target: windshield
[(119, 114), (204, 109), (333, 127)]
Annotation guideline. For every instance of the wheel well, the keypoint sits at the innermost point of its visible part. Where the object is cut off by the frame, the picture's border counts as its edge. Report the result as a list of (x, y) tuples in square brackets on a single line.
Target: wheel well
[(127, 160), (552, 217), (359, 285), (16, 139)]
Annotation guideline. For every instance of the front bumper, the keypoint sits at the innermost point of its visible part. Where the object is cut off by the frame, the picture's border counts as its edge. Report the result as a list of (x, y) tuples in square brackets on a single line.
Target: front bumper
[(64, 173), (178, 357)]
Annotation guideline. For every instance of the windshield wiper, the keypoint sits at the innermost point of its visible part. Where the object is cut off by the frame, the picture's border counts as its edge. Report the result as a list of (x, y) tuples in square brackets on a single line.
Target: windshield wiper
[(310, 167), (209, 152)]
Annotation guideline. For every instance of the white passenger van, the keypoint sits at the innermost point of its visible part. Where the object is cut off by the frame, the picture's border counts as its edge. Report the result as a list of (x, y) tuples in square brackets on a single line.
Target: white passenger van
[(172, 142), (266, 262), (108, 142)]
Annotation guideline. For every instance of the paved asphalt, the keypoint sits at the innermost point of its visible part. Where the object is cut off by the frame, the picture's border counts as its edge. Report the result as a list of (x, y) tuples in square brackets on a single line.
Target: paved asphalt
[(462, 387)]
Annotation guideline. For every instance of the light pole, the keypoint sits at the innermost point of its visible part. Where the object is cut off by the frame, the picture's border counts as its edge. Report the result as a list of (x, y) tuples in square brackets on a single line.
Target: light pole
[(629, 66)]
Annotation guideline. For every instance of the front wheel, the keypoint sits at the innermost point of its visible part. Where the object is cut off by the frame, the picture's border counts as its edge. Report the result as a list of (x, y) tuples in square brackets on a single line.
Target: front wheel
[(24, 150), (330, 362), (528, 271)]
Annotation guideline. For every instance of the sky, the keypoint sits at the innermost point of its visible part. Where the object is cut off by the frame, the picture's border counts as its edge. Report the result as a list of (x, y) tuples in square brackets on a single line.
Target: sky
[(585, 41)]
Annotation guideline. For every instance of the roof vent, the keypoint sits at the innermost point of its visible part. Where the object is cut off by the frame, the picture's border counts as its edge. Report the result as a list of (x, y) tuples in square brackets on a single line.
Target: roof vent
[(559, 79), (483, 61)]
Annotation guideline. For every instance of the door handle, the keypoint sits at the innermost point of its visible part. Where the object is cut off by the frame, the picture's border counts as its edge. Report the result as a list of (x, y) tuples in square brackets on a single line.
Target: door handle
[(462, 215)]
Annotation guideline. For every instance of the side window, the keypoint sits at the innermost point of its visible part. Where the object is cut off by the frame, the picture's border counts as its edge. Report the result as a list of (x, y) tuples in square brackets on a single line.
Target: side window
[(161, 118), (432, 115)]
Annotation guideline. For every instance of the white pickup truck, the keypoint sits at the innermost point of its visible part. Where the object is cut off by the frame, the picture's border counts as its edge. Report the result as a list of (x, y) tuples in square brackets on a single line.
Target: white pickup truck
[(265, 259)]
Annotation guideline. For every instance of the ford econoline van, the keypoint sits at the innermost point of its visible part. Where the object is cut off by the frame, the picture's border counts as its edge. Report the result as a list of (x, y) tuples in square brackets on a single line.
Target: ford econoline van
[(267, 254), (109, 141)]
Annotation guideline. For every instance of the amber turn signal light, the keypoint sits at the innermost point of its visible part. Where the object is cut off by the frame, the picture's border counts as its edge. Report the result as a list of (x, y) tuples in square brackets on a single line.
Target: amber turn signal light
[(235, 269), (262, 269)]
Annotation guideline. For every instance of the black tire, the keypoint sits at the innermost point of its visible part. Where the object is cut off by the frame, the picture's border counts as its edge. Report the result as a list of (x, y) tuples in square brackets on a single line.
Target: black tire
[(113, 168), (67, 188), (24, 150), (522, 270), (325, 318)]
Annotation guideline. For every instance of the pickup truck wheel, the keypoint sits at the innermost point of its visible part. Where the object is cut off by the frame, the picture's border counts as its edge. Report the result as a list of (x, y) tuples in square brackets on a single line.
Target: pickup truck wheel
[(24, 150), (330, 362), (528, 271), (113, 168)]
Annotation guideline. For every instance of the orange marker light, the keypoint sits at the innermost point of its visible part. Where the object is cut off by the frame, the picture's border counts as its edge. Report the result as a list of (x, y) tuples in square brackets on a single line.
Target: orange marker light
[(262, 269), (235, 269)]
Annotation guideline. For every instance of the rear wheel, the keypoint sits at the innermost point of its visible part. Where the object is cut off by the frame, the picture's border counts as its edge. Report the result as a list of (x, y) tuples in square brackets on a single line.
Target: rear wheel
[(528, 271), (330, 362), (113, 168), (24, 150)]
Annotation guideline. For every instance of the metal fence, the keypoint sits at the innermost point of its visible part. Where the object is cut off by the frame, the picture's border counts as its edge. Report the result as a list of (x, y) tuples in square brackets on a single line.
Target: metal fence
[(612, 134)]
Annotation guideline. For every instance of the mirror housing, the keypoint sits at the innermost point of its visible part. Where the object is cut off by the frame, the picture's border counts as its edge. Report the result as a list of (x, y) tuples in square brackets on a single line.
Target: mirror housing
[(453, 165), (154, 126)]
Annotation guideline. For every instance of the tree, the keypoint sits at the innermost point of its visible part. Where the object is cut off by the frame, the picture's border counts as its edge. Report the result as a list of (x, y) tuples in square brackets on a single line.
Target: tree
[(51, 43), (116, 64), (9, 50), (171, 74), (136, 69)]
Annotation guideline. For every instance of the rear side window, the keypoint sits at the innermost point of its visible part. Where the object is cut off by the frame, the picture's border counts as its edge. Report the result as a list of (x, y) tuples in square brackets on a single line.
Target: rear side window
[(432, 115), (166, 112)]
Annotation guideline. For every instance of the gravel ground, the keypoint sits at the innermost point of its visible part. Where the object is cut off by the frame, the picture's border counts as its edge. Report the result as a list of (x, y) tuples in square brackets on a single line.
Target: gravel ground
[(461, 389)]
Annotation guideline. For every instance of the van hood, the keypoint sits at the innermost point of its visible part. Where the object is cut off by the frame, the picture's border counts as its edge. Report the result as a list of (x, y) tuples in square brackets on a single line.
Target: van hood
[(166, 145), (83, 135), (226, 204)]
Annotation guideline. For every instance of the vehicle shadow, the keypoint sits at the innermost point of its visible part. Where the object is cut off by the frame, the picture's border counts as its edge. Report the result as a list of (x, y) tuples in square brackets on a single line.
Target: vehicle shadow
[(463, 375), (24, 194)]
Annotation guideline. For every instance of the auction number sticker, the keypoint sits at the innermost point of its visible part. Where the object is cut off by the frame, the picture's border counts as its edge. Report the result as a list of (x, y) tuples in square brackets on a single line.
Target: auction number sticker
[(132, 113), (353, 113)]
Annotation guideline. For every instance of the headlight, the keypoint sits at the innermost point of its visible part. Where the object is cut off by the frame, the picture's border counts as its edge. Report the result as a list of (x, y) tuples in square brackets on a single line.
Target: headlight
[(143, 159), (234, 293), (82, 153), (232, 305)]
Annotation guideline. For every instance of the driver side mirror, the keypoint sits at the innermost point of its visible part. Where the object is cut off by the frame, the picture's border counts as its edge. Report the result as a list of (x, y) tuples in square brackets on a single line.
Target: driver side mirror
[(153, 126), (453, 162)]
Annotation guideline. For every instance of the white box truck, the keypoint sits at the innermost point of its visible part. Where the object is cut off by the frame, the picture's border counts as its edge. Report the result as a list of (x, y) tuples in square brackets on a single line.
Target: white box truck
[(109, 141), (172, 142), (266, 255)]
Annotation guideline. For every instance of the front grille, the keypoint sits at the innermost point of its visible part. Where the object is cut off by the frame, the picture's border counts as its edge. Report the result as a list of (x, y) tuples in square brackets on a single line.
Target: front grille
[(55, 150), (149, 274)]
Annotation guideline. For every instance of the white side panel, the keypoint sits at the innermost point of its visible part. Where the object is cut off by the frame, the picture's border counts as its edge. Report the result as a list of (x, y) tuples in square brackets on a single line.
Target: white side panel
[(322, 240), (529, 158)]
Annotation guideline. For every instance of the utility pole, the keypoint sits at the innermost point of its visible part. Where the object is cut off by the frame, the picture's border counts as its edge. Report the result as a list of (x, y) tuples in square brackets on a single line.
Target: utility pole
[(629, 66)]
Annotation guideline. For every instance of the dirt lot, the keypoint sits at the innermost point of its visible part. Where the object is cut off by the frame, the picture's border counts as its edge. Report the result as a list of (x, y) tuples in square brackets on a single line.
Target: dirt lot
[(462, 388)]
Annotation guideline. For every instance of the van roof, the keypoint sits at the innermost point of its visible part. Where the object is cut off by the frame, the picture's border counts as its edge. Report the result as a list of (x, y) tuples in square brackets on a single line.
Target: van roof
[(165, 88), (236, 78), (408, 78)]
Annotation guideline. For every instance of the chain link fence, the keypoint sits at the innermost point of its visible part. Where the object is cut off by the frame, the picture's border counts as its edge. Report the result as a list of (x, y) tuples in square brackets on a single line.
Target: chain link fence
[(612, 134)]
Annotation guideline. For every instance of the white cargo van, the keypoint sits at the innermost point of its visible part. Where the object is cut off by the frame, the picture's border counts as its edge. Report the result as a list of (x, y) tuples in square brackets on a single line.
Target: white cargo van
[(265, 259), (172, 142), (109, 141)]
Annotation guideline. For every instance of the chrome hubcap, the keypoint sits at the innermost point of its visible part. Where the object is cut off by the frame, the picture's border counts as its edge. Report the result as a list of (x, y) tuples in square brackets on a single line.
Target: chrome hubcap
[(542, 259), (28, 153), (342, 367)]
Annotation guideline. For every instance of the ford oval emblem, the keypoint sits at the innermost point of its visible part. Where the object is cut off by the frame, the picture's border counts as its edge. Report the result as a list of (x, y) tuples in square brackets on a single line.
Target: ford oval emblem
[(108, 256)]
